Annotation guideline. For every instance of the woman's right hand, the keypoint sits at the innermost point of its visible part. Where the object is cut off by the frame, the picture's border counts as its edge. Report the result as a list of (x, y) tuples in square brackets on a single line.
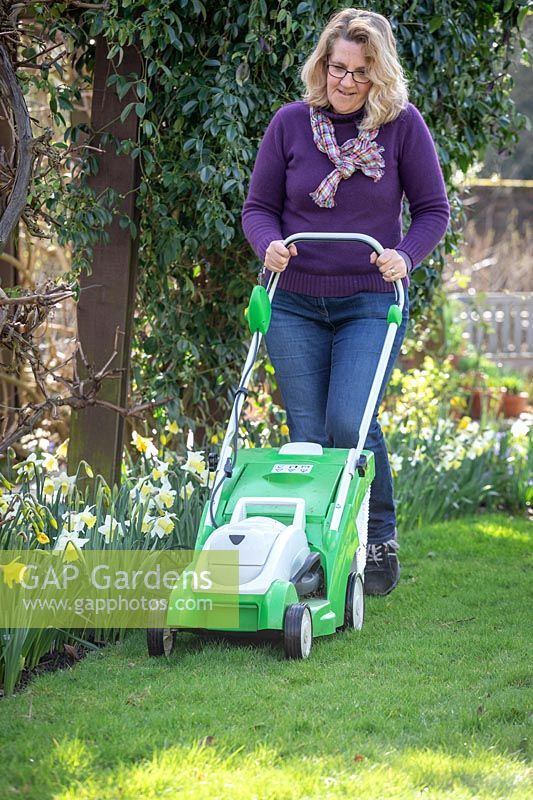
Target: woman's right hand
[(277, 255)]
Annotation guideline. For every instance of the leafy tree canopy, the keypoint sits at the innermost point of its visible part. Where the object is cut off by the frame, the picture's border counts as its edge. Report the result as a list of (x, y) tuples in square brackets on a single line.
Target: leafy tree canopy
[(212, 77)]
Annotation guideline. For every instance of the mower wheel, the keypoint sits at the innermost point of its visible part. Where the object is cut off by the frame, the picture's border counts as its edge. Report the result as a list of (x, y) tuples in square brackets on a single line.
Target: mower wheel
[(354, 610), (298, 631), (160, 641)]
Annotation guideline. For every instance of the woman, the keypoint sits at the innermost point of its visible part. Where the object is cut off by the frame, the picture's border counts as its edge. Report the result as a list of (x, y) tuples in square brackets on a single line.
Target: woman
[(342, 160)]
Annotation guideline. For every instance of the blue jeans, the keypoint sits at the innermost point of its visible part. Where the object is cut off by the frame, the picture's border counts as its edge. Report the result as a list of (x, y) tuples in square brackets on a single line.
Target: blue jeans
[(325, 352)]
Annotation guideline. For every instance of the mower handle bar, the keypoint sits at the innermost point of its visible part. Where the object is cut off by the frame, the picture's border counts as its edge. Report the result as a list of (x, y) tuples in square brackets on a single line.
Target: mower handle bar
[(344, 237)]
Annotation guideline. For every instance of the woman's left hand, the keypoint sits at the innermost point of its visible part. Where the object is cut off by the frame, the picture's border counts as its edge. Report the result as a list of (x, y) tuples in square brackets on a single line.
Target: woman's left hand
[(391, 265)]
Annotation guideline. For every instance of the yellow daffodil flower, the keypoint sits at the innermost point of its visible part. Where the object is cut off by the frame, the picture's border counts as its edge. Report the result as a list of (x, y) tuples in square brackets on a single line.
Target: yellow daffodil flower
[(187, 490), (13, 572), (48, 487), (87, 518), (143, 444), (62, 450)]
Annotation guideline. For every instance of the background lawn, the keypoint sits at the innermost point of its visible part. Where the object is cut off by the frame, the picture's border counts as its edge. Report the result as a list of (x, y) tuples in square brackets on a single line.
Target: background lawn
[(429, 700)]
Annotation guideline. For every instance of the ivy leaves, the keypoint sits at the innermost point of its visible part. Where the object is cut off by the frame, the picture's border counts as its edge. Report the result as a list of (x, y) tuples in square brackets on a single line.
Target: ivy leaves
[(212, 77)]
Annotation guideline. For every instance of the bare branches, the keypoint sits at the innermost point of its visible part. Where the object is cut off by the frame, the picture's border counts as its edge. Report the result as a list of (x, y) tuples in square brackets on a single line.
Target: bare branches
[(82, 393), (19, 319), (56, 295)]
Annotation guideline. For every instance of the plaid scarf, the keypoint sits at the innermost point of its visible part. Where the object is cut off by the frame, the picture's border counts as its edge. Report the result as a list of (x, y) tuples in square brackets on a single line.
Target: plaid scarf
[(361, 153)]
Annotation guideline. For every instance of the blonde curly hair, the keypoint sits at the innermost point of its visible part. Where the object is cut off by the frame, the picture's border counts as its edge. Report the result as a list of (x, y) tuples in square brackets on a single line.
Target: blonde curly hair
[(388, 94)]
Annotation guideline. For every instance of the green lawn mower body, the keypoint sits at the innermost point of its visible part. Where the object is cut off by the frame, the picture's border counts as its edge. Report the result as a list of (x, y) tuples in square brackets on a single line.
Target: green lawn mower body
[(314, 570)]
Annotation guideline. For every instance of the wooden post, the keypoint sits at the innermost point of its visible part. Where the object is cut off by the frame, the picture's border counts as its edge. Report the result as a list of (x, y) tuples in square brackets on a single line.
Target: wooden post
[(96, 434)]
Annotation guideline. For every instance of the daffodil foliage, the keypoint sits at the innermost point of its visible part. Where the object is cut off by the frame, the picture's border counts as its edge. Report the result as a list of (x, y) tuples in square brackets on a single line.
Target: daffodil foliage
[(213, 75)]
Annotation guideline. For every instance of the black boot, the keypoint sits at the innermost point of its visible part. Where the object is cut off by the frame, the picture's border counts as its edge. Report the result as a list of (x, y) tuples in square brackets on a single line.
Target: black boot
[(382, 571)]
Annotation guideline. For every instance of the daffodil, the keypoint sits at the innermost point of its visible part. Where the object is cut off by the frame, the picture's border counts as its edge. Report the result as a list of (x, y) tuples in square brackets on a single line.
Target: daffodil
[(172, 427), (111, 528), (77, 521), (71, 552), (284, 430), (187, 490), (147, 489), (87, 517), (42, 538), (463, 423), (165, 497), (65, 483), (163, 526), (160, 469), (50, 463), (13, 572), (143, 444), (195, 462), (48, 487), (28, 466), (67, 537), (62, 450), (4, 481), (88, 469)]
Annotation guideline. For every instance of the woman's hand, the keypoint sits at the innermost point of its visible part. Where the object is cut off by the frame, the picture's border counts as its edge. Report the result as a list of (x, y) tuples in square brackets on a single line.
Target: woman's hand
[(391, 265), (277, 255)]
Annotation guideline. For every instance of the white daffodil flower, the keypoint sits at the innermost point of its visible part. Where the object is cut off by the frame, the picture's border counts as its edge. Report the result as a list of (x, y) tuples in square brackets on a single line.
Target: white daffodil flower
[(195, 462), (160, 470), (69, 536), (111, 528), (65, 483), (162, 526), (165, 497), (50, 463), (28, 465)]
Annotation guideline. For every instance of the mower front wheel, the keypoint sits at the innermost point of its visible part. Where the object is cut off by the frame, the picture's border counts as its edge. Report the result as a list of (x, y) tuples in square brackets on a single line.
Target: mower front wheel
[(298, 631), (354, 610), (160, 641)]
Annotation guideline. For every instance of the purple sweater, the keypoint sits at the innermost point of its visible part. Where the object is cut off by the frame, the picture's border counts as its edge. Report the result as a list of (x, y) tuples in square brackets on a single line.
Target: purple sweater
[(289, 166)]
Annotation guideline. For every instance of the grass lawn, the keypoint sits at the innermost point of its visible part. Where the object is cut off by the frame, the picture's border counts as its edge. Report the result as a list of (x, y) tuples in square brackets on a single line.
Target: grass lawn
[(429, 700)]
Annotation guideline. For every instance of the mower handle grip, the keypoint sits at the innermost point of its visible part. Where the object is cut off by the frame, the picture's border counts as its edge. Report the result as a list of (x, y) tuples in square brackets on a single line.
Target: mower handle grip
[(335, 237)]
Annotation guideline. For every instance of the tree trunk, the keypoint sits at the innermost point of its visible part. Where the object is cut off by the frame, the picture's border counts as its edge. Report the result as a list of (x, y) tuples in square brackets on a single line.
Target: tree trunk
[(97, 433)]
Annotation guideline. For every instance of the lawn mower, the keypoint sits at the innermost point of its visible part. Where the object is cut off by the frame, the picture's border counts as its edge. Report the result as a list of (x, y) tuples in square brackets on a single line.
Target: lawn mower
[(291, 521)]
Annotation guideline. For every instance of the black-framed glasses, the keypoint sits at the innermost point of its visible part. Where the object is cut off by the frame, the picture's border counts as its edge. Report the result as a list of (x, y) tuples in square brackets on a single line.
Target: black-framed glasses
[(358, 75)]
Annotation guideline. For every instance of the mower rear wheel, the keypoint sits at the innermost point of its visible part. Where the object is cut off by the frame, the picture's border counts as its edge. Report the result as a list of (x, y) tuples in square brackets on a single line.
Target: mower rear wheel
[(298, 631), (354, 610), (160, 641)]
